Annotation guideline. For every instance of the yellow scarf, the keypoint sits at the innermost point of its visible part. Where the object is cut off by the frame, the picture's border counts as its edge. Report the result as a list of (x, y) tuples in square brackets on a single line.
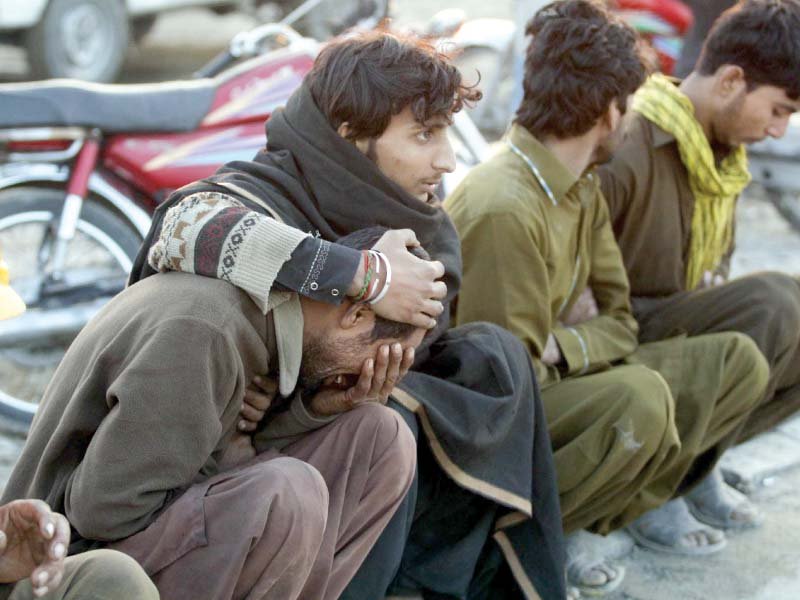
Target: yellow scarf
[(715, 189)]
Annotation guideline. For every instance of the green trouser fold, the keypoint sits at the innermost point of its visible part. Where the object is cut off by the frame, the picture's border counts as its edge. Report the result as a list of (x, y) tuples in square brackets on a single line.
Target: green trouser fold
[(764, 306), (631, 437)]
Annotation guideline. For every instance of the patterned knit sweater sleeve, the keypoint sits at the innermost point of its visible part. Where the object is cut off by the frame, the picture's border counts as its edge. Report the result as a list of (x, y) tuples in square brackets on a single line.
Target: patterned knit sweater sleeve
[(215, 235)]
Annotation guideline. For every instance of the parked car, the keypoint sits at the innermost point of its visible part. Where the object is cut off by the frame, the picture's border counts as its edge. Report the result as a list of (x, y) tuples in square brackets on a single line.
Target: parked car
[(82, 39), (88, 39)]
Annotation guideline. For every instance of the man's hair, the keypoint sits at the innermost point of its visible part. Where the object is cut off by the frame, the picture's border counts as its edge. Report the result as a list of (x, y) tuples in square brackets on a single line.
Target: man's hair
[(580, 60), (364, 239), (366, 79), (763, 38)]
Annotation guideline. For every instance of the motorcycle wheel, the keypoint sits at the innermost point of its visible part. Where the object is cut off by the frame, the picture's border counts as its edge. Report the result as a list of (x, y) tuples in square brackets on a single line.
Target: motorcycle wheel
[(104, 247), (787, 203)]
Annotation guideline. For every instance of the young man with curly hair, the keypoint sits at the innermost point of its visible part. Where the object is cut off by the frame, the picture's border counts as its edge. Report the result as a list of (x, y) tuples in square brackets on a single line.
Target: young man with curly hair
[(364, 142), (672, 190)]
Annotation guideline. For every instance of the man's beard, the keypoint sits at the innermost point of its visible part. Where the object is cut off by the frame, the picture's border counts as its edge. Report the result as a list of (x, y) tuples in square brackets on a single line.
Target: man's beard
[(605, 151), (727, 121), (322, 358)]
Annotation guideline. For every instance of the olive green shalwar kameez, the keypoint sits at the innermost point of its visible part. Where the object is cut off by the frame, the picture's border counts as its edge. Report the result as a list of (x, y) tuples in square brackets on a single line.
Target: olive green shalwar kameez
[(646, 186), (630, 427)]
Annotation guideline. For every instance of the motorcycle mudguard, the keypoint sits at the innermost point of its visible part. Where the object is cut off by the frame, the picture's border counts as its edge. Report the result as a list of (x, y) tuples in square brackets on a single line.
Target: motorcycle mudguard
[(14, 174)]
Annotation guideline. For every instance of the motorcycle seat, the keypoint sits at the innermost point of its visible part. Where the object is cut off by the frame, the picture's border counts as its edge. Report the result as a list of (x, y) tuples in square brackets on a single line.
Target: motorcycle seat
[(113, 108)]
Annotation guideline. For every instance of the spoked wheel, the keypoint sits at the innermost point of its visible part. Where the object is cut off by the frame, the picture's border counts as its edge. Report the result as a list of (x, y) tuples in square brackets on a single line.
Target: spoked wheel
[(97, 263)]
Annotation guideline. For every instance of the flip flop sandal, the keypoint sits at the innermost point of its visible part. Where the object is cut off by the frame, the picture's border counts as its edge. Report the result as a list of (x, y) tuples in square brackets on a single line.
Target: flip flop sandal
[(588, 589), (726, 522), (672, 521), (573, 593), (714, 502), (580, 562)]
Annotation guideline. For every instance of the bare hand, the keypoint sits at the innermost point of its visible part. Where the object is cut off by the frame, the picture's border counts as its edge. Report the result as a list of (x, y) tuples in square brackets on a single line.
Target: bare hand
[(710, 280), (33, 543), (551, 355), (584, 309), (258, 397), (376, 381), (414, 294), (239, 450)]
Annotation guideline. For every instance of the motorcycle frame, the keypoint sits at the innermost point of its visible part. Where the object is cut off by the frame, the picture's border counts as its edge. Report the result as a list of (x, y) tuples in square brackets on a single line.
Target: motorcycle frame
[(77, 169), (77, 165)]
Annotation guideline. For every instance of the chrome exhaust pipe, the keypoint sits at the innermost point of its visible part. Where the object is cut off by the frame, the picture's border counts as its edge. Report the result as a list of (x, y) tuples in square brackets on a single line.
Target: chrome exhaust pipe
[(38, 327)]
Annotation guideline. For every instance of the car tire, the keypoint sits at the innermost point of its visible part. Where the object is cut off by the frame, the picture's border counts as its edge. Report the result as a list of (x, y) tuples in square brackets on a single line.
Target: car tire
[(81, 39)]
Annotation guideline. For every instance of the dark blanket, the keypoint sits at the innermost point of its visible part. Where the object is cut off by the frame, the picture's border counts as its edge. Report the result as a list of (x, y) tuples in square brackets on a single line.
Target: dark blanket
[(472, 388)]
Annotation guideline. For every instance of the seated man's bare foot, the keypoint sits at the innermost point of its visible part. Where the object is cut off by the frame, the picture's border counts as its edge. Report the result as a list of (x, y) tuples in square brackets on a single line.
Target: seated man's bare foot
[(589, 572), (671, 528), (717, 504)]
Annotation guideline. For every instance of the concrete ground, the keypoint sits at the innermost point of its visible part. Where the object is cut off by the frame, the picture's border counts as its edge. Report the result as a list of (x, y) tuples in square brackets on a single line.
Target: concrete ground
[(763, 564)]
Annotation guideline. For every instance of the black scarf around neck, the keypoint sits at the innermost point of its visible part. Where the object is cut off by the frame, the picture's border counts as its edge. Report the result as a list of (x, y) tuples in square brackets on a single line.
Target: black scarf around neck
[(478, 391), (334, 188)]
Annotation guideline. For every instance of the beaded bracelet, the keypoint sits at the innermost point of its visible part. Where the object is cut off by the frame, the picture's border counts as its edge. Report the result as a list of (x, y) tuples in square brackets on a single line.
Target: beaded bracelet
[(370, 271), (386, 283)]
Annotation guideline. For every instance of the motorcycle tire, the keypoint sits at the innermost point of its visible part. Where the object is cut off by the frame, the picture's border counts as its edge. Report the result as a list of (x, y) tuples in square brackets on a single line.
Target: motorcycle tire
[(102, 233), (787, 203)]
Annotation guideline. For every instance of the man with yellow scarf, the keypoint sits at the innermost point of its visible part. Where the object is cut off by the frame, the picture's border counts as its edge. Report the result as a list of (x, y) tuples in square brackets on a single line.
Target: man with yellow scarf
[(671, 190)]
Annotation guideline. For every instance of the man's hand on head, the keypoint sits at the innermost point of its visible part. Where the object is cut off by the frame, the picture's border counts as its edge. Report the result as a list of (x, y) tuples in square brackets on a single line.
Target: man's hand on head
[(414, 294), (33, 543), (375, 383), (584, 309)]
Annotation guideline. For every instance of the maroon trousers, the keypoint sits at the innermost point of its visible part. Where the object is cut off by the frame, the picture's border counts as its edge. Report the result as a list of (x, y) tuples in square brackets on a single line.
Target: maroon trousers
[(292, 525)]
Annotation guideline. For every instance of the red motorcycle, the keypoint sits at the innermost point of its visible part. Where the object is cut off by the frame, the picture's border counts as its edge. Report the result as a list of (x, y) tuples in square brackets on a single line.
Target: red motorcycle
[(82, 166), (663, 23)]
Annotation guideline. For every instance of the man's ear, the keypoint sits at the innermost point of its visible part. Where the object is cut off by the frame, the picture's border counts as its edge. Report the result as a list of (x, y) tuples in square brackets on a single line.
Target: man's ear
[(344, 131), (356, 315), (612, 117), (729, 81)]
